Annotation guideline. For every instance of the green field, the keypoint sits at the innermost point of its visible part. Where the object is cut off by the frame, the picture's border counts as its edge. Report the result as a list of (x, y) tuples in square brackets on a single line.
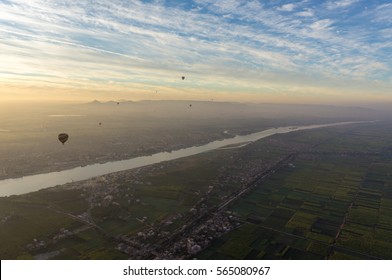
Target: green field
[(334, 201), (297, 214)]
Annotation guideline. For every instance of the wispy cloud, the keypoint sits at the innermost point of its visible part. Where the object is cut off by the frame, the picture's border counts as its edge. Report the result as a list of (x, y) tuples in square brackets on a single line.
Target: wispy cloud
[(287, 7), (305, 13), (219, 43), (340, 4), (384, 13), (324, 24)]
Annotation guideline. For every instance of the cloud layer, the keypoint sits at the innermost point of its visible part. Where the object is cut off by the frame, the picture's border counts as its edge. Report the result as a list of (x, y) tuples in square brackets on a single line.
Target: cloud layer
[(232, 47)]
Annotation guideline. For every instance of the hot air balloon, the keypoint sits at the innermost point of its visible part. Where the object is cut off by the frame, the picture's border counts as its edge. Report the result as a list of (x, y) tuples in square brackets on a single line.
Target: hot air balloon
[(63, 137), (100, 123), (183, 77)]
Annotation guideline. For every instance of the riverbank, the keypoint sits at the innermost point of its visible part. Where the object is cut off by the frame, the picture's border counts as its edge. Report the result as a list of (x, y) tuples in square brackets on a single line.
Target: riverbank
[(40, 181)]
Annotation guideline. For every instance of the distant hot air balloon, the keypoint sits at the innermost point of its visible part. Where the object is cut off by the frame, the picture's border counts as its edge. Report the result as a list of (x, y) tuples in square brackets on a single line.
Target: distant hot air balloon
[(183, 77), (100, 123), (118, 103), (63, 137), (190, 105)]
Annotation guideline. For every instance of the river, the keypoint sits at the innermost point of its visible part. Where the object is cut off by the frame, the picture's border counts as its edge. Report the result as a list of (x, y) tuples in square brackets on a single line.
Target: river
[(36, 182)]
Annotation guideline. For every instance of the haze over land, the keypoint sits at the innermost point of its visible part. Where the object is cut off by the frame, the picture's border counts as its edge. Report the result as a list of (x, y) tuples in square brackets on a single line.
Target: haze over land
[(102, 132)]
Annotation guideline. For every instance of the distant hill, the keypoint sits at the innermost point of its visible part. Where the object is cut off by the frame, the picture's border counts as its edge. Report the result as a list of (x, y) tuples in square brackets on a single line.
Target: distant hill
[(216, 109)]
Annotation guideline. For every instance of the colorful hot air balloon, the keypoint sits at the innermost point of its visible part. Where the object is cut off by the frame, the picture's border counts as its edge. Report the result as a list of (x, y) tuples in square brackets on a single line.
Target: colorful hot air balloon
[(63, 137)]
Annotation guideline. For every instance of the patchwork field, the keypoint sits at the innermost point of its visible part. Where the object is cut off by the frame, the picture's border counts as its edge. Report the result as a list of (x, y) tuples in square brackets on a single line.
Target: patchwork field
[(333, 200)]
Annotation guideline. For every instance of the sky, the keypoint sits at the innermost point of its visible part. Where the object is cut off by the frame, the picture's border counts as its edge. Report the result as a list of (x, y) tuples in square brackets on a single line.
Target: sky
[(334, 52)]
